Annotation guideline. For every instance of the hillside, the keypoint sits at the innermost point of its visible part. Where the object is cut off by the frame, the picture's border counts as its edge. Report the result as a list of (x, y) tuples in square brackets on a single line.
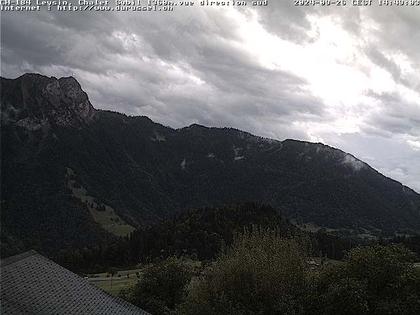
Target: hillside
[(73, 175)]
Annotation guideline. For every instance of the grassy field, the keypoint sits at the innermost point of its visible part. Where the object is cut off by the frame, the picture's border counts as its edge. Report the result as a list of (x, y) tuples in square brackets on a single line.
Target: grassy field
[(125, 279), (117, 284), (119, 281), (103, 214)]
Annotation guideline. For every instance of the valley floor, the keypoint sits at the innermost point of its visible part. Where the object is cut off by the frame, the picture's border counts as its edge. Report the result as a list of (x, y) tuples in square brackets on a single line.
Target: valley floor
[(124, 279)]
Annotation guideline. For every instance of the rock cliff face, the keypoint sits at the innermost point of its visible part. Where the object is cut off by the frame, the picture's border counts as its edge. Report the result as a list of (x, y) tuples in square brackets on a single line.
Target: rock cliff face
[(36, 102), (144, 172)]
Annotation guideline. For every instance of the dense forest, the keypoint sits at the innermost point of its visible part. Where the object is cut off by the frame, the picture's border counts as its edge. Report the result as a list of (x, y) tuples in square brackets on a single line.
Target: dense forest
[(196, 233), (201, 233)]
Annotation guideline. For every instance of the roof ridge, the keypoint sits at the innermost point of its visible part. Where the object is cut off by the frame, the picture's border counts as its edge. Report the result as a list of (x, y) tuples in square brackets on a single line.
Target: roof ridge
[(15, 258)]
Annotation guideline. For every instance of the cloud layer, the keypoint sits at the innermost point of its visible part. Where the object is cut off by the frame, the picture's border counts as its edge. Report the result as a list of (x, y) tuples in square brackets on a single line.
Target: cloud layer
[(347, 77)]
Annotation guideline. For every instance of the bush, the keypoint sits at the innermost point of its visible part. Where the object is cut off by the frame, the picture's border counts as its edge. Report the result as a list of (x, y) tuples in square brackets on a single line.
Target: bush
[(162, 286), (261, 273), (372, 280)]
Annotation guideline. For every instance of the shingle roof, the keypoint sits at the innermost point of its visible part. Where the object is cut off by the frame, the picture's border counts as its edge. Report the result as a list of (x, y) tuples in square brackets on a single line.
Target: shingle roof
[(33, 284)]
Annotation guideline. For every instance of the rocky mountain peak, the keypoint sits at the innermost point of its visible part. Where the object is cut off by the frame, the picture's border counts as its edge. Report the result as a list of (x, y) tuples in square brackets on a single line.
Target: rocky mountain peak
[(33, 101)]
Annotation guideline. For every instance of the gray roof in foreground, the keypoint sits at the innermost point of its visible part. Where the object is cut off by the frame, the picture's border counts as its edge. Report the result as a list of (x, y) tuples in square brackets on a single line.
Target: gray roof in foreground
[(33, 284)]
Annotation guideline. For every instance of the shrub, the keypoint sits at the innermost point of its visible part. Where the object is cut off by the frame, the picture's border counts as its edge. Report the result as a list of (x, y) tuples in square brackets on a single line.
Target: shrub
[(373, 280), (261, 273), (162, 286)]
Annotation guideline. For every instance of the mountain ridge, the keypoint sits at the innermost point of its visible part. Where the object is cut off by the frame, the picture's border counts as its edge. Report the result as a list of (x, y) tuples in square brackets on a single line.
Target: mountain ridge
[(193, 125), (144, 171)]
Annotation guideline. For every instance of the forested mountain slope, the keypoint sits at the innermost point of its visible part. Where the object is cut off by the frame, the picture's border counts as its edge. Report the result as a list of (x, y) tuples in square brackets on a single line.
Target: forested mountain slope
[(74, 175)]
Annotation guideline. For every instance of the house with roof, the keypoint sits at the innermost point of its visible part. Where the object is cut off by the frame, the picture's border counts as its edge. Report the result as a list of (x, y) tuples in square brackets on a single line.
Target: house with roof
[(33, 284)]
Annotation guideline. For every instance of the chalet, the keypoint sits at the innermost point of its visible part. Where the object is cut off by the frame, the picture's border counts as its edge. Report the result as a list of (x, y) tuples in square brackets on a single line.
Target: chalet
[(33, 284)]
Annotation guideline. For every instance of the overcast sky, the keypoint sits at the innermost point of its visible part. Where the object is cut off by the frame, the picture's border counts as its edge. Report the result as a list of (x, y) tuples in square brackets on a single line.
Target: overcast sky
[(347, 77)]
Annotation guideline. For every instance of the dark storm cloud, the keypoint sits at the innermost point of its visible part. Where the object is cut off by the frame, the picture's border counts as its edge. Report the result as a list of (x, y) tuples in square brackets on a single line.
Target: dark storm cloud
[(181, 68), (377, 57), (400, 31), (286, 20), (293, 23), (47, 39), (397, 115)]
